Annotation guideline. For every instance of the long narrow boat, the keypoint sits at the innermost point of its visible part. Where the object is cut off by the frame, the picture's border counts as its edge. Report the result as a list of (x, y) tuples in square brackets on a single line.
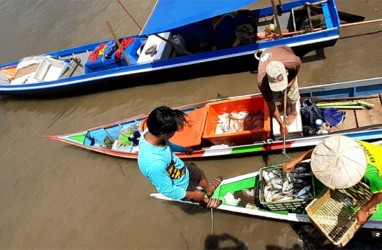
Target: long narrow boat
[(120, 138), (193, 34), (249, 181)]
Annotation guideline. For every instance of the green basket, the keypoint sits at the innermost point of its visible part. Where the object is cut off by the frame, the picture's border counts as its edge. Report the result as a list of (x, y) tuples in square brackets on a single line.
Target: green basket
[(289, 205)]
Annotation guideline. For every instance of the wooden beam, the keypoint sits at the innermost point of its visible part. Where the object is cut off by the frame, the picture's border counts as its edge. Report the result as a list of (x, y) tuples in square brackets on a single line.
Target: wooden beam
[(277, 18)]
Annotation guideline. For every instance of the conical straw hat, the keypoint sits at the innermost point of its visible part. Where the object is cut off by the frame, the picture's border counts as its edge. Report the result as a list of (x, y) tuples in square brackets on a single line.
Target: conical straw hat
[(338, 162)]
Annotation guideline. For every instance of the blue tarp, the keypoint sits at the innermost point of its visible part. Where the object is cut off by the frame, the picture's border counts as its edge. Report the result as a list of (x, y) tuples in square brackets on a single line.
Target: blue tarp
[(169, 14)]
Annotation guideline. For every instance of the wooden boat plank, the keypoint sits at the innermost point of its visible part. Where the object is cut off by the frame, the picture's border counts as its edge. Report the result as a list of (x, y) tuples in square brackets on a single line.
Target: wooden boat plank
[(371, 116), (350, 122)]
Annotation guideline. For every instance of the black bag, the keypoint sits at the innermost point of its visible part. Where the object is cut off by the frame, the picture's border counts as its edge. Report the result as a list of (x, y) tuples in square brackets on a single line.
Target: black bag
[(310, 113)]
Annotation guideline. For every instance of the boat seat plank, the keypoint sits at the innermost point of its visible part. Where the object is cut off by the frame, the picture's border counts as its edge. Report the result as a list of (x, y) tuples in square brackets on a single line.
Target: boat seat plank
[(350, 122), (371, 116)]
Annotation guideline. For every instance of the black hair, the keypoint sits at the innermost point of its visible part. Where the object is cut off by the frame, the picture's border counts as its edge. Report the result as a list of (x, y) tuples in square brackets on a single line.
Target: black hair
[(164, 120)]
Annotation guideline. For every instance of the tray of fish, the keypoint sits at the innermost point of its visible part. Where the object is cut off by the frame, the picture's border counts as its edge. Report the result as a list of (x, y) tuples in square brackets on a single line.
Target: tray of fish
[(286, 191)]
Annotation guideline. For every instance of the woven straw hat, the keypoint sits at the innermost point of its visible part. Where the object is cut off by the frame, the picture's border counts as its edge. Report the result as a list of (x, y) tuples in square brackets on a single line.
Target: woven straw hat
[(338, 162)]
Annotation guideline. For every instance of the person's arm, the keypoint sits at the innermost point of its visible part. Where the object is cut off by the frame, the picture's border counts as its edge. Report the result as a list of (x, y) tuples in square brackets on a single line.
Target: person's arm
[(197, 196), (289, 166), (177, 148), (363, 213)]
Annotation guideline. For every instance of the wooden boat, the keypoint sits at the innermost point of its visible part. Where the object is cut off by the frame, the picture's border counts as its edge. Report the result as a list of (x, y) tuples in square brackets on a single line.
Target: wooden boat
[(113, 138), (249, 181), (185, 38)]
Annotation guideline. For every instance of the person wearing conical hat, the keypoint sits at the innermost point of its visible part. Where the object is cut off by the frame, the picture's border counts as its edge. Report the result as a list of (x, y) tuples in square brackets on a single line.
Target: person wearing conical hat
[(340, 162)]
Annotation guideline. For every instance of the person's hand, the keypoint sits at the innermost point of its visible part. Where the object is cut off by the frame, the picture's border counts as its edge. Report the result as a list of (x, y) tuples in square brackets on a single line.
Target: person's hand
[(198, 196), (283, 130), (362, 216), (188, 151)]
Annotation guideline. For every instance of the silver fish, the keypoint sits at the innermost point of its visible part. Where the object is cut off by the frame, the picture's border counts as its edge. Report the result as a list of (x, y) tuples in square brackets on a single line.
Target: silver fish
[(287, 188), (303, 191)]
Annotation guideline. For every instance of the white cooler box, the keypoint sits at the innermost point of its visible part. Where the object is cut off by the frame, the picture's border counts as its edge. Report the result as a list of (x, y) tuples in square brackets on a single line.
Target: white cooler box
[(163, 48), (294, 130)]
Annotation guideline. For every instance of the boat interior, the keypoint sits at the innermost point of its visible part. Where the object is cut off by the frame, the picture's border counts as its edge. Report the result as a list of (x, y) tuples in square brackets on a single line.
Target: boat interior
[(205, 126), (242, 27)]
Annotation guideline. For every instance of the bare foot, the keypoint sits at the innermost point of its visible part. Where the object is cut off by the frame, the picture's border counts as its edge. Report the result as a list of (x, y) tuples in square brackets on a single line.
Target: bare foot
[(290, 118)]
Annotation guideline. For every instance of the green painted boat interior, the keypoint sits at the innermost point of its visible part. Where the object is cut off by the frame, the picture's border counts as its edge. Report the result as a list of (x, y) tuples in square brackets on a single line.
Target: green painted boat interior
[(78, 137), (253, 181)]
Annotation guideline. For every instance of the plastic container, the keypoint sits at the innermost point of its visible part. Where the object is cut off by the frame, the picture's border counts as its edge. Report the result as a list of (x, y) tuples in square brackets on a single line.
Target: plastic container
[(334, 212), (289, 205), (246, 104)]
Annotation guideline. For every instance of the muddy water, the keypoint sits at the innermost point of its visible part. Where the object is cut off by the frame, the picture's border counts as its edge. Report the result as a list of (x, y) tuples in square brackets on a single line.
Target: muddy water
[(54, 196)]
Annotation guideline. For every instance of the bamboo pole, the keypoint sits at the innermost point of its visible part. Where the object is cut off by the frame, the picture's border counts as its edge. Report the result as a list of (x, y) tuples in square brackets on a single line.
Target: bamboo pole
[(360, 23), (131, 16), (117, 41), (277, 18), (284, 120), (140, 27), (323, 99)]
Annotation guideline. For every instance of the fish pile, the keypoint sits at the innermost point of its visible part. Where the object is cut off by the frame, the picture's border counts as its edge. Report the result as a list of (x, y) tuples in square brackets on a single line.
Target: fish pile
[(236, 122), (280, 186)]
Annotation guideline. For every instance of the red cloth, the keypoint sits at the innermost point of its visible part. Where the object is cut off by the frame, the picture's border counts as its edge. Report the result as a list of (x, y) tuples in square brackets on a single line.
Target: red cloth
[(125, 43), (97, 52)]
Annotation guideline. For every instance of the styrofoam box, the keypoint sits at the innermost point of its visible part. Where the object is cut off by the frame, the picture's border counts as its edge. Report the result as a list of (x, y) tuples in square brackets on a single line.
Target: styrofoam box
[(294, 130), (163, 48)]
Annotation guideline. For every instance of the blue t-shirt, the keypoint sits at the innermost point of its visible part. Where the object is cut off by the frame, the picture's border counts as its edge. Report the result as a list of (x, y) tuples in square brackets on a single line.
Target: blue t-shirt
[(163, 168)]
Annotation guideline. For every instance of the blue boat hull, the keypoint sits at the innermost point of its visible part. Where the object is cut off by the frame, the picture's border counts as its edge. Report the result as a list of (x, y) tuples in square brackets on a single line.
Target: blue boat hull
[(195, 64)]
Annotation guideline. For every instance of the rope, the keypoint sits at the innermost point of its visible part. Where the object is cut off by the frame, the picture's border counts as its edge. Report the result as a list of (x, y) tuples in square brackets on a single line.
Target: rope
[(212, 221)]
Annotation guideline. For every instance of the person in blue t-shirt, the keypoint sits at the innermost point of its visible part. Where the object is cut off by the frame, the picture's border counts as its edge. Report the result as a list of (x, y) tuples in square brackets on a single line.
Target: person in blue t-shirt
[(170, 175)]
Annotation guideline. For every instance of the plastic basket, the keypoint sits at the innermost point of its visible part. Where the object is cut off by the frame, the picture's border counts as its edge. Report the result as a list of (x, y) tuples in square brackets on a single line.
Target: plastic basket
[(289, 204), (247, 104), (333, 212)]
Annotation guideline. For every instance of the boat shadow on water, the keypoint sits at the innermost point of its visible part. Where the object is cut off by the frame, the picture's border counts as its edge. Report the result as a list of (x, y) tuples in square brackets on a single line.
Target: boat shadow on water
[(313, 239), (224, 241)]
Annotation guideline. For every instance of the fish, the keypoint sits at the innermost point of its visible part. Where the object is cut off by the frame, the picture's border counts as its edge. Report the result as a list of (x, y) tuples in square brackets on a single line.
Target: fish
[(303, 191), (301, 169), (281, 197), (266, 176), (300, 175), (277, 184), (287, 187)]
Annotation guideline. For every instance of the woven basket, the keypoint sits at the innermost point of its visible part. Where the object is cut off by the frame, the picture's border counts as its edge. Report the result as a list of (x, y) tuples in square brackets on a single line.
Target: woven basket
[(334, 212)]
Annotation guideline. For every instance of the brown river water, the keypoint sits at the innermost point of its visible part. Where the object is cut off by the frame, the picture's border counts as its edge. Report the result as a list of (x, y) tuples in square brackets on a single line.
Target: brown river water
[(55, 196)]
